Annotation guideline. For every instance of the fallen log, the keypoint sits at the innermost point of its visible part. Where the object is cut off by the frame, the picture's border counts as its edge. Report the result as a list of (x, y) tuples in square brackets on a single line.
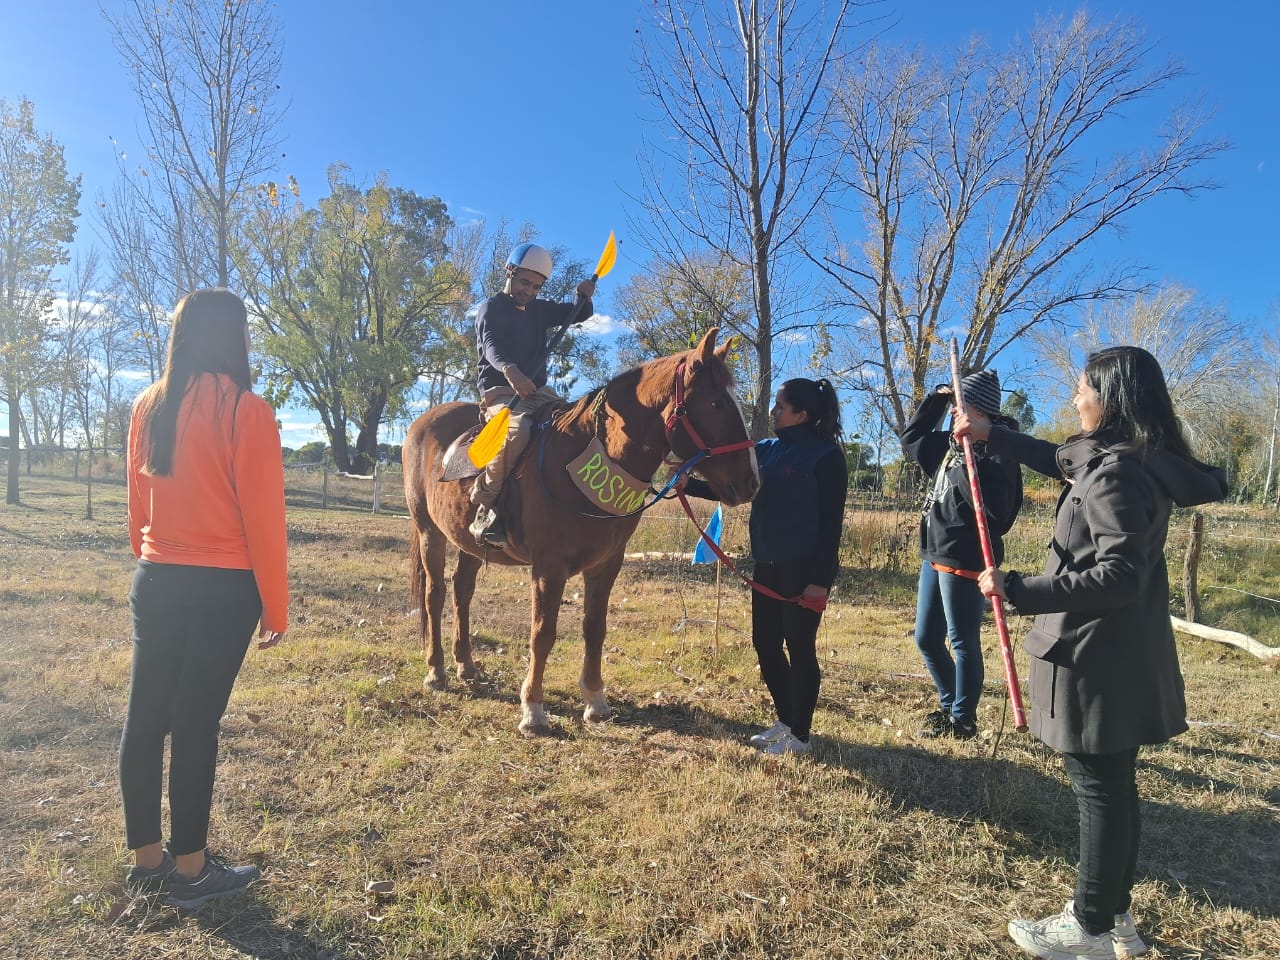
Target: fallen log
[(1243, 641)]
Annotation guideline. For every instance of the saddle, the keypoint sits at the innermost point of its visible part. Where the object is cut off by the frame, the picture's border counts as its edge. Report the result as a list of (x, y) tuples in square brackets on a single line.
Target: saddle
[(456, 465)]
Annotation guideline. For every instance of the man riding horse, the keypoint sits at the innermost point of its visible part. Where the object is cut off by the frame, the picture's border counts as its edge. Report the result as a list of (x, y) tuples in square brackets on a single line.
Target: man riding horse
[(511, 348)]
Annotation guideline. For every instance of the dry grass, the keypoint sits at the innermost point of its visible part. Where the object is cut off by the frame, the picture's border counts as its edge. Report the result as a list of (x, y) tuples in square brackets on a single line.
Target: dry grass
[(655, 835)]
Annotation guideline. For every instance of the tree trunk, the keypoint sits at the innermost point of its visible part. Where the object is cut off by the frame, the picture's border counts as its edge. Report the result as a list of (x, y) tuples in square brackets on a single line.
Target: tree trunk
[(15, 428), (366, 452)]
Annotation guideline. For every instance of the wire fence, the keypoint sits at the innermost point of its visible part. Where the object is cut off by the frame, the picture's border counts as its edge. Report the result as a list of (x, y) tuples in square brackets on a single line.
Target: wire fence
[(880, 529)]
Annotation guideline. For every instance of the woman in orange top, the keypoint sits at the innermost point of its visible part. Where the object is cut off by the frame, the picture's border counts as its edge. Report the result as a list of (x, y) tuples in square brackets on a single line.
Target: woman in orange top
[(206, 521)]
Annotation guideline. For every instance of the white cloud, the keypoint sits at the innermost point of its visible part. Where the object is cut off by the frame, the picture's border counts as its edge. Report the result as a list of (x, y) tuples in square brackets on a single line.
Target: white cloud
[(602, 325), (295, 432)]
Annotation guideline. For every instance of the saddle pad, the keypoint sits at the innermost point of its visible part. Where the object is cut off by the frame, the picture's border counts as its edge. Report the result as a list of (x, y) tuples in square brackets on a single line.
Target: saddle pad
[(455, 464)]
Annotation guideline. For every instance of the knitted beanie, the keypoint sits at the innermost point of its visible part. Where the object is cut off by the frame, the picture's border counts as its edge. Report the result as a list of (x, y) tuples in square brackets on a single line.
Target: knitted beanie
[(982, 390)]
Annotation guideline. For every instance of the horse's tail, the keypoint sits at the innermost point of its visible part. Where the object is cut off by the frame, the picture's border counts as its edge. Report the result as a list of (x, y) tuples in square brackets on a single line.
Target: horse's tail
[(418, 579)]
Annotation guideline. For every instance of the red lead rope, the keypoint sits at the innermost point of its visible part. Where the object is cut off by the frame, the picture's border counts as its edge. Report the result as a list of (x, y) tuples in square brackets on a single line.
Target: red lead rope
[(816, 604)]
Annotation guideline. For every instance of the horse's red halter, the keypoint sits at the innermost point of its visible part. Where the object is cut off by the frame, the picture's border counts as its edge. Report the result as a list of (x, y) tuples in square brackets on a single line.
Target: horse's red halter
[(679, 416)]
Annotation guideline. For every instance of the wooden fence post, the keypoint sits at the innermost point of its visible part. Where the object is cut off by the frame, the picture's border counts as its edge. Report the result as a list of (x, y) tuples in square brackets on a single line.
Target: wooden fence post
[(1191, 567), (324, 488)]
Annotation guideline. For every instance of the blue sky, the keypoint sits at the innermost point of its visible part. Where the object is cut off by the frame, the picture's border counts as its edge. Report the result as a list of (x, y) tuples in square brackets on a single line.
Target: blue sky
[(531, 112)]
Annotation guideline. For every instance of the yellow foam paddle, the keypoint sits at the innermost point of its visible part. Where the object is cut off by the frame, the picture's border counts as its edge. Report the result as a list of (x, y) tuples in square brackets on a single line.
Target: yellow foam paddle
[(490, 441)]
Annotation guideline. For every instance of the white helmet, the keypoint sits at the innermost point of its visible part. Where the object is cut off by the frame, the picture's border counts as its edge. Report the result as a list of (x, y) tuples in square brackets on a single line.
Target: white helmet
[(530, 256)]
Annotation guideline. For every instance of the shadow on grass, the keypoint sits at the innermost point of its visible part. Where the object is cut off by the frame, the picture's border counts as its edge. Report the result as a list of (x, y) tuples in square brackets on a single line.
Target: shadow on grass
[(1196, 850), (251, 927), (1191, 849)]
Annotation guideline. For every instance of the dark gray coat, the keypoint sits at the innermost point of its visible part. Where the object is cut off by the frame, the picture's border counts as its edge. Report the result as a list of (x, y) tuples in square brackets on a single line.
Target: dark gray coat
[(1104, 668)]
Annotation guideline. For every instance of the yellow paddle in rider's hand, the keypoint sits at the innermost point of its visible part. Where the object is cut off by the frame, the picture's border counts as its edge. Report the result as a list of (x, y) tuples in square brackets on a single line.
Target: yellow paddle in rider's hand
[(491, 439)]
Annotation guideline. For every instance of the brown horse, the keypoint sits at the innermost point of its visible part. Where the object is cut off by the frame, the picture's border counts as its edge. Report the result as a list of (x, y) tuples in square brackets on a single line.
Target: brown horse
[(551, 524)]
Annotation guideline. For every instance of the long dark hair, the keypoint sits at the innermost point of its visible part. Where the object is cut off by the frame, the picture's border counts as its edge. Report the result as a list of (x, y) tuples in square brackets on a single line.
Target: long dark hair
[(818, 399), (1135, 401), (208, 336)]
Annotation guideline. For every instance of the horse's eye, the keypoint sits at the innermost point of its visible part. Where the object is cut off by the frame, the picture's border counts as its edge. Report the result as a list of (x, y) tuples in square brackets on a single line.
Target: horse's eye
[(717, 404)]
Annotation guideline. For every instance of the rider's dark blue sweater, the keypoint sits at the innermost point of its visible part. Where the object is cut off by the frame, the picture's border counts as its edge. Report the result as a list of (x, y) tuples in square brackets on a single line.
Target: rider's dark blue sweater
[(506, 334)]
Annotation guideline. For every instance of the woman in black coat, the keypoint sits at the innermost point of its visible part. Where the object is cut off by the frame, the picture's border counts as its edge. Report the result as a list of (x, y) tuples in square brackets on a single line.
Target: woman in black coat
[(1104, 669)]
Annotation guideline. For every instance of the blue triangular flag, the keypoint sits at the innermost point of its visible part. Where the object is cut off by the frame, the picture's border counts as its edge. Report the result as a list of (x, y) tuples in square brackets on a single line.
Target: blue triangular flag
[(703, 553)]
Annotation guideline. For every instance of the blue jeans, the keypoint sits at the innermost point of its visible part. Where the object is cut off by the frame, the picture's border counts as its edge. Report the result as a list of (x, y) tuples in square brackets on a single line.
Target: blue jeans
[(950, 608), (1106, 789)]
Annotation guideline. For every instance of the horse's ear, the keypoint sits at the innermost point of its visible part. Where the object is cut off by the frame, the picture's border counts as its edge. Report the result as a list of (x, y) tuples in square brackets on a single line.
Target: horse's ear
[(707, 345), (724, 349)]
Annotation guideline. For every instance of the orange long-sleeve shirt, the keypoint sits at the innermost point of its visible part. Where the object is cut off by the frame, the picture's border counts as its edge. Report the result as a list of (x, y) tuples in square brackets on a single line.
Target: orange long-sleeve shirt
[(223, 504)]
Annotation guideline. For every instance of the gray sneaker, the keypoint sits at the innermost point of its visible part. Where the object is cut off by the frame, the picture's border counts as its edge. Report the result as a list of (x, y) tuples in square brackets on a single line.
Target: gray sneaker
[(217, 879), (149, 881), (1061, 937), (1126, 939), (779, 731)]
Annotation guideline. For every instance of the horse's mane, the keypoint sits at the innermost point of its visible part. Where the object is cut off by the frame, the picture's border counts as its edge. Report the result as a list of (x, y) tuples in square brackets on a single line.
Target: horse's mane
[(580, 410)]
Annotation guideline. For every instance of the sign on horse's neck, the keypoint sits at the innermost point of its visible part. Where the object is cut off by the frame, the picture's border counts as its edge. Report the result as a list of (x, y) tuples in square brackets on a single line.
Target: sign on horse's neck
[(604, 483)]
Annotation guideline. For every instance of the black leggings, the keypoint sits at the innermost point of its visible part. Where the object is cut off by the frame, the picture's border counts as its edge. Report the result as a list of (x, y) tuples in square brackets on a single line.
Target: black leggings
[(1106, 792), (191, 629), (792, 683)]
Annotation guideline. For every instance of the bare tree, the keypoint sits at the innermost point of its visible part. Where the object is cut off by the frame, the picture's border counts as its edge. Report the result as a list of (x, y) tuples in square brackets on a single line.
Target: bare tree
[(205, 73), (743, 90), (70, 336), (144, 279), (979, 192), (1203, 351)]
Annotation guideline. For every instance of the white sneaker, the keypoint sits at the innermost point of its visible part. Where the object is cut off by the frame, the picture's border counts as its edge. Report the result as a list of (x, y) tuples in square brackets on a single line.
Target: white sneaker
[(1061, 937), (788, 744), (775, 733), (1125, 937)]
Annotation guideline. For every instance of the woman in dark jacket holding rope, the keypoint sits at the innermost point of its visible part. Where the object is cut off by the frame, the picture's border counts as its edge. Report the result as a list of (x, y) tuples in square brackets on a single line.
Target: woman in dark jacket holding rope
[(796, 522), (1104, 668)]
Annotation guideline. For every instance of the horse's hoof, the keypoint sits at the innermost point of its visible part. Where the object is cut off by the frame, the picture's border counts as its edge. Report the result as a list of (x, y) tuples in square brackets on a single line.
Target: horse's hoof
[(595, 714), (434, 681), (468, 671), (532, 731)]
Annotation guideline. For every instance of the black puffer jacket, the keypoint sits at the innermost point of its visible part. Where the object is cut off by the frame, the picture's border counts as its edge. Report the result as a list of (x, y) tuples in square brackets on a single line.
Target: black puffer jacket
[(1104, 673), (948, 532)]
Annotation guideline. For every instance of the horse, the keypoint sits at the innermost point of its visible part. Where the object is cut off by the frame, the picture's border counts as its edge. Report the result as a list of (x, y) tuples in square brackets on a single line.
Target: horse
[(664, 407)]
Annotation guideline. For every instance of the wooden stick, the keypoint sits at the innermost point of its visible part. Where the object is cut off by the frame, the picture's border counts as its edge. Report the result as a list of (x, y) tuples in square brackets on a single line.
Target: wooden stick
[(1243, 641)]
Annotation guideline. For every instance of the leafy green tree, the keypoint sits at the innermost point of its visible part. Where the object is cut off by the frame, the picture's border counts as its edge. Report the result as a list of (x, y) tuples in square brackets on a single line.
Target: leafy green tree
[(352, 300), (668, 308), (311, 452), (1018, 406), (39, 204), (864, 469)]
